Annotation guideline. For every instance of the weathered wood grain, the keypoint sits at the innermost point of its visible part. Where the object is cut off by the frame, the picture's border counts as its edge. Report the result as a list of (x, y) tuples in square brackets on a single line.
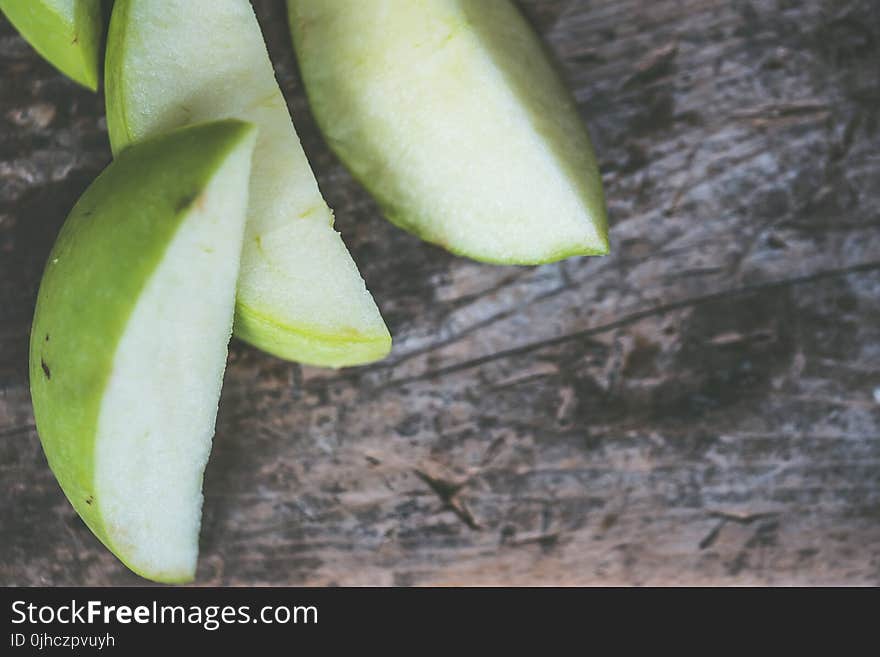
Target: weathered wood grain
[(700, 407)]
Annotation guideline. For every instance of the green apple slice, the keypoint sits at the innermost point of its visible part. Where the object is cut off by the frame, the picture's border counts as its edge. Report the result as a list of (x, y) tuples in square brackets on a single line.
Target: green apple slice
[(67, 33), (173, 62), (129, 340), (450, 113)]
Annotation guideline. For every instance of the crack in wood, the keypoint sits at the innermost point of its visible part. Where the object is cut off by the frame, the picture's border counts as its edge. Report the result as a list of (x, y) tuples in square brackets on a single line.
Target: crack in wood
[(449, 493), (635, 317)]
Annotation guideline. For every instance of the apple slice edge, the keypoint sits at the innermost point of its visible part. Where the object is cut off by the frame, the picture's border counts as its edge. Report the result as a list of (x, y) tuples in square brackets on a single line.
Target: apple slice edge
[(126, 394)]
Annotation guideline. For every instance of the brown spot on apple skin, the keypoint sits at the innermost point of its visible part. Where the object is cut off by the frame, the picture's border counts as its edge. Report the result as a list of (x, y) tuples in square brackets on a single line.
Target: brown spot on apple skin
[(46, 369), (47, 337), (184, 203), (189, 201), (90, 499)]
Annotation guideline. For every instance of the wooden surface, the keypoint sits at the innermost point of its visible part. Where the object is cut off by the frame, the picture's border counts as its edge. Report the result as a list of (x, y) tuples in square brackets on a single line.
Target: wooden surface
[(701, 407)]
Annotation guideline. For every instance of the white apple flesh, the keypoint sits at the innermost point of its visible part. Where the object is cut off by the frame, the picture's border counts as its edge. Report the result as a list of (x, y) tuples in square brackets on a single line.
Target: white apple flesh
[(450, 113)]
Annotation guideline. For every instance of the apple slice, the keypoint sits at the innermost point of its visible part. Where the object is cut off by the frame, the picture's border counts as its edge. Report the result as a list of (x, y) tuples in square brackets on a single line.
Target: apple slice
[(129, 340), (174, 62), (67, 33), (450, 113)]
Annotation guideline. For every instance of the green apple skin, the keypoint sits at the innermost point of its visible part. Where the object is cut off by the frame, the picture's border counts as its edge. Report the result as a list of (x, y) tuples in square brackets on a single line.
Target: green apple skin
[(302, 345), (67, 33), (111, 244), (300, 295), (450, 113)]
